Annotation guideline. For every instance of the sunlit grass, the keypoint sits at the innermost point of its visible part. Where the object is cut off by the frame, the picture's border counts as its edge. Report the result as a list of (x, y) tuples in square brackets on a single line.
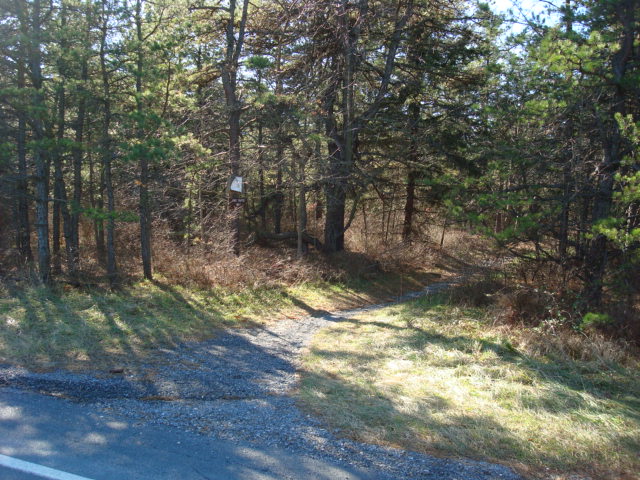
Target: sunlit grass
[(43, 327), (440, 379), (48, 328)]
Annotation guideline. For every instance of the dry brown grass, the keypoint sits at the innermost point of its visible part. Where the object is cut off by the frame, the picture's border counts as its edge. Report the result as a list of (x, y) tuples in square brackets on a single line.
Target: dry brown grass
[(436, 377), (256, 266), (197, 289), (594, 348), (210, 261), (542, 322)]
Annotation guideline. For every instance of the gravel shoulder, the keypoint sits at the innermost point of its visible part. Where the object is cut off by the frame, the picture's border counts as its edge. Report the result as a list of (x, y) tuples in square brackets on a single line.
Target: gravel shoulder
[(236, 387)]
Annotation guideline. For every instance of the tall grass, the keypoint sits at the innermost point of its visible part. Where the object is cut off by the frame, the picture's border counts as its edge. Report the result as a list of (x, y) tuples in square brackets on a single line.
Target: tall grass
[(434, 377)]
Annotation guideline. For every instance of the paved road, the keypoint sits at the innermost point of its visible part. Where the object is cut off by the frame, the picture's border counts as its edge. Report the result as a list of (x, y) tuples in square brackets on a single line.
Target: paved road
[(10, 474), (82, 441)]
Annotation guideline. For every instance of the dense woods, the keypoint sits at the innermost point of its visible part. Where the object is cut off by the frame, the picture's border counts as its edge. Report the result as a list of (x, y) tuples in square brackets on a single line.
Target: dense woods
[(123, 125)]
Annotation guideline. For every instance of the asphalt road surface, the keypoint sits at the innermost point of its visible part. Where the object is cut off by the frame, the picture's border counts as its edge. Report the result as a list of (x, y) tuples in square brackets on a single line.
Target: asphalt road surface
[(78, 440)]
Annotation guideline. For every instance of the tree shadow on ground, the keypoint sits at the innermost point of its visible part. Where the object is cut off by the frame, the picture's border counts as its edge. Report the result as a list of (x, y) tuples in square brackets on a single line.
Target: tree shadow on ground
[(614, 387), (366, 411), (95, 329), (373, 415)]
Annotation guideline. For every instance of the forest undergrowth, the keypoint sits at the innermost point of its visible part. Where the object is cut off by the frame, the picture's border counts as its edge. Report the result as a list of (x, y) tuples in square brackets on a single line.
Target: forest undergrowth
[(202, 286), (197, 290)]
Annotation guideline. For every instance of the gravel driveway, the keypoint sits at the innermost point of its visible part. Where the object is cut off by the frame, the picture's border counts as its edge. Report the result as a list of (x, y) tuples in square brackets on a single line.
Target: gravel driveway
[(236, 387)]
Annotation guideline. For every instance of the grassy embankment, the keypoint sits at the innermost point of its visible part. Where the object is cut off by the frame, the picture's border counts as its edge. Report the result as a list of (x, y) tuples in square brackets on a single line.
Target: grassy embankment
[(97, 329), (438, 378)]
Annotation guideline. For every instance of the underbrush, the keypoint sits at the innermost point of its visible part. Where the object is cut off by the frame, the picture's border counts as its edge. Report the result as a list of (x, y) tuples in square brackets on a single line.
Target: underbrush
[(537, 318), (550, 303), (95, 328), (544, 292), (436, 377), (199, 287), (211, 262)]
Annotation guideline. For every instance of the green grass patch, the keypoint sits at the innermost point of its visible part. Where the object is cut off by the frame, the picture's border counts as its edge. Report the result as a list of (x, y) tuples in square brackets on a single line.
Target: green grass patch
[(437, 378), (52, 327)]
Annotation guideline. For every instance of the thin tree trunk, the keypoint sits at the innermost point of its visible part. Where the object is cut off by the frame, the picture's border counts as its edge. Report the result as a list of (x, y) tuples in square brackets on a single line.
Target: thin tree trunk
[(366, 229), (78, 148), (97, 204), (263, 208), (58, 194), (201, 215), (61, 205), (107, 153), (409, 206), (189, 222), (144, 205), (302, 210), (72, 265), (581, 247), (22, 206), (394, 218), (235, 197), (444, 230), (229, 83), (279, 198), (39, 151), (563, 240)]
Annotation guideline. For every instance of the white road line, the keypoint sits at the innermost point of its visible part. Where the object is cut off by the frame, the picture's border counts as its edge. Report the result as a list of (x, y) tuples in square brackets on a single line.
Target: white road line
[(39, 470)]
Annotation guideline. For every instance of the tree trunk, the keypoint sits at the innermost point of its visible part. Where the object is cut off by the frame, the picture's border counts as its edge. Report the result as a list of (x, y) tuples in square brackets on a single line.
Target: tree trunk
[(98, 205), (335, 184), (279, 198), (342, 145), (563, 239), (78, 147), (444, 231), (613, 152), (413, 120), (409, 206), (302, 211), (344, 140), (57, 191), (336, 198), (335, 189), (234, 155), (39, 151), (144, 204), (366, 228), (60, 204), (234, 108), (263, 208), (22, 193), (107, 153)]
